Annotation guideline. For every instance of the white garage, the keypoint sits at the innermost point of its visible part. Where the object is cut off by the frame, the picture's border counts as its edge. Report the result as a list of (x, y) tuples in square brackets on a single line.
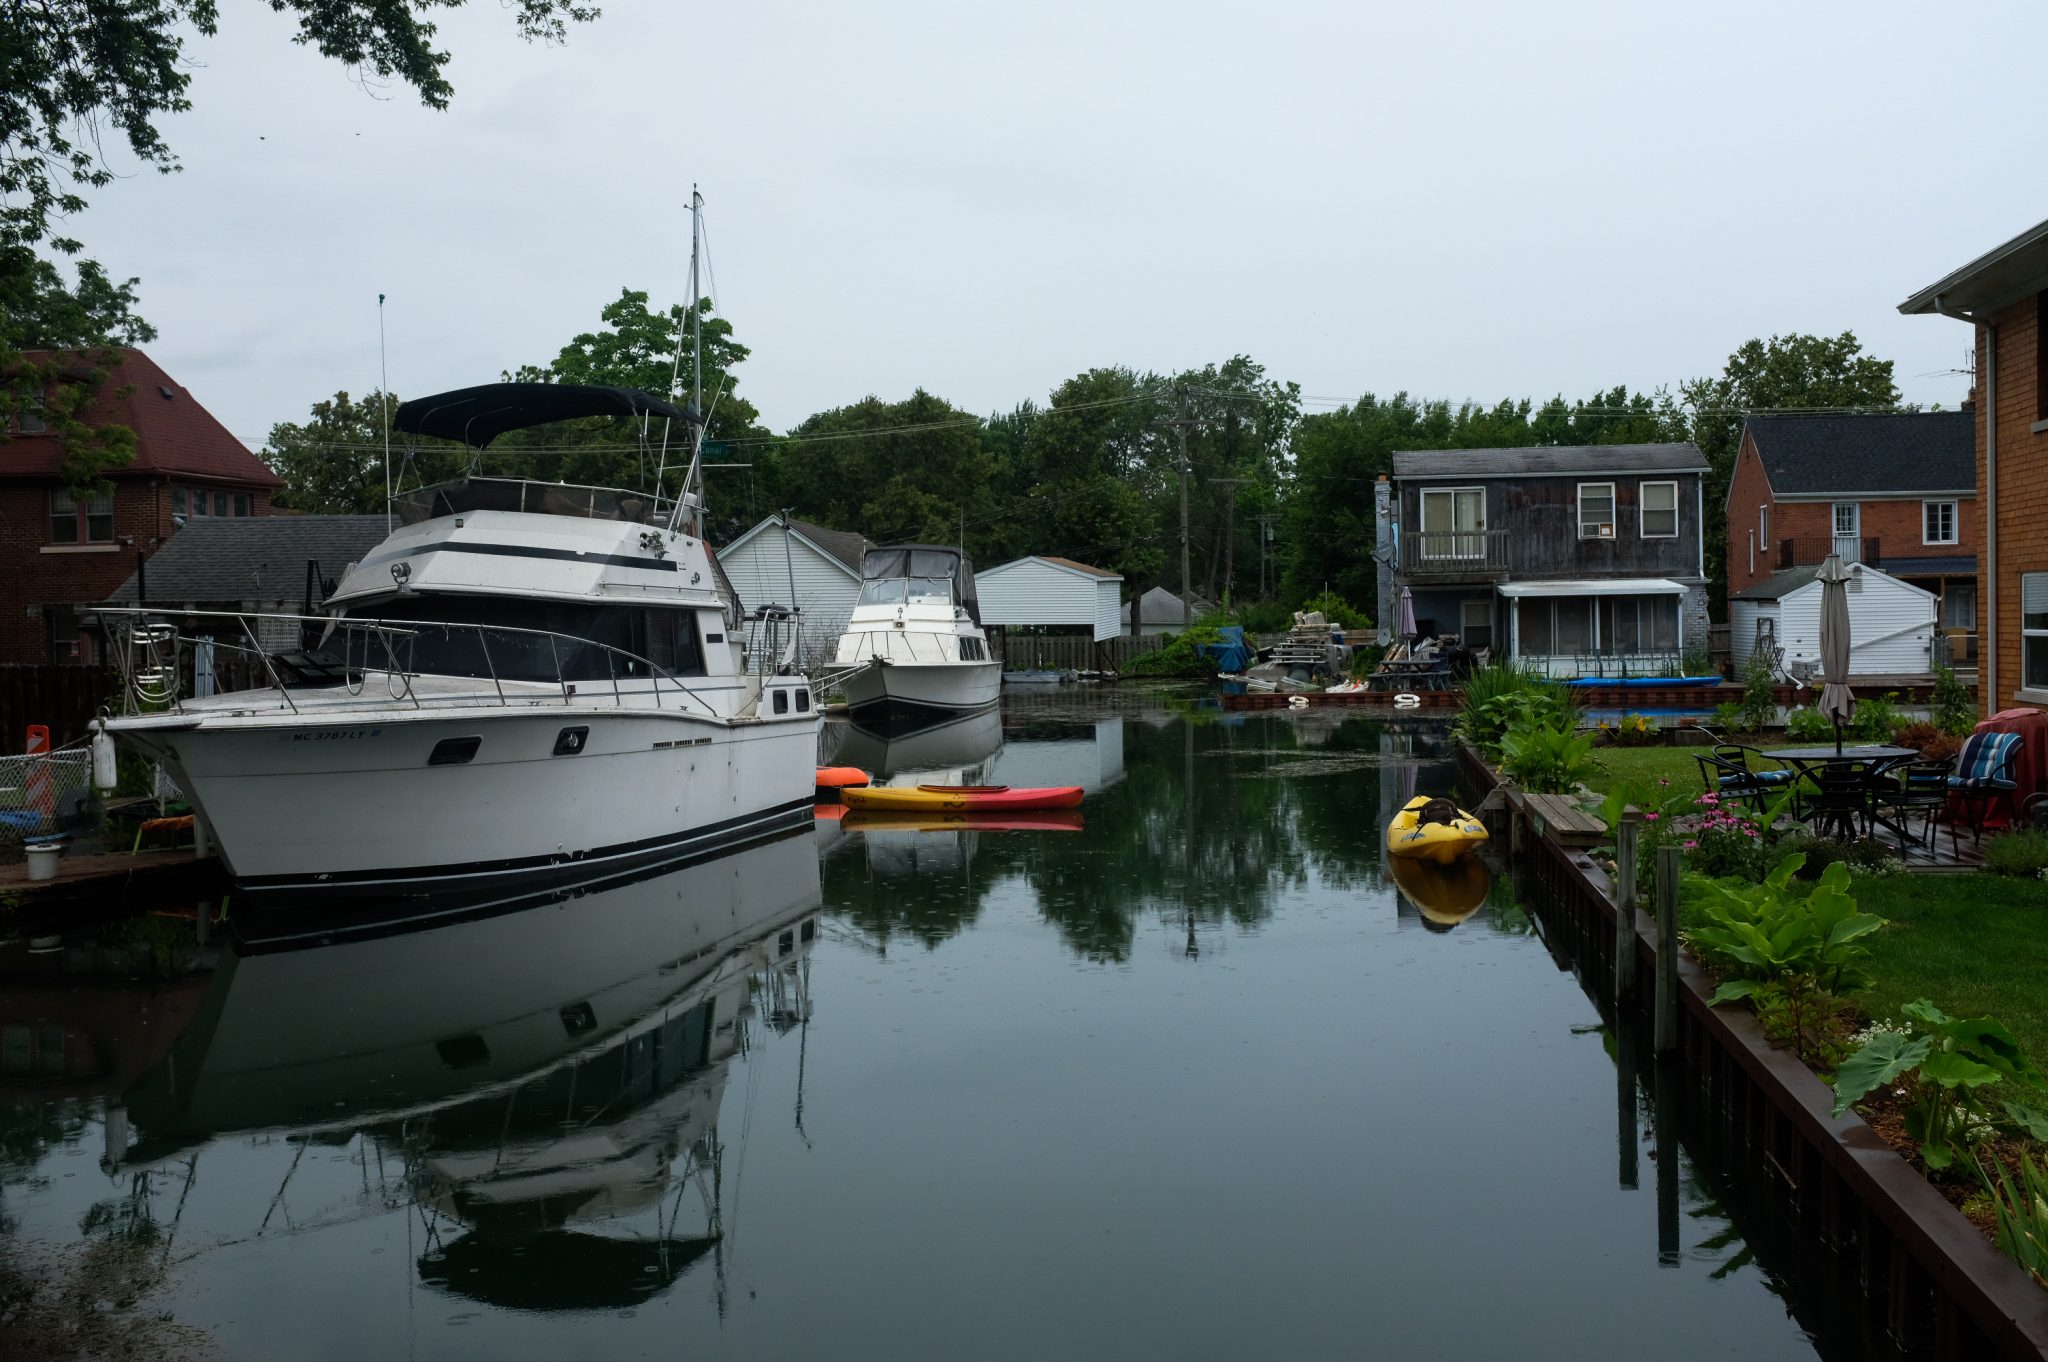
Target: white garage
[(824, 565), (1051, 592), (1891, 623)]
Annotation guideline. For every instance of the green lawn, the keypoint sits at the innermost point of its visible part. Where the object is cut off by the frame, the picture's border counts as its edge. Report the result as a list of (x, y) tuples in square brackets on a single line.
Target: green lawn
[(1679, 765), (1974, 945)]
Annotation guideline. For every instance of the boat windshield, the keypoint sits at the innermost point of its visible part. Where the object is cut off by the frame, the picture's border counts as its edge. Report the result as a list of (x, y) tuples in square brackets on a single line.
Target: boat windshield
[(486, 636), (908, 590)]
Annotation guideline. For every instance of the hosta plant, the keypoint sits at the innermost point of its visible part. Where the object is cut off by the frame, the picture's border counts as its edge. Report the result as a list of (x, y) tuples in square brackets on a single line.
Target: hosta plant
[(1946, 1067)]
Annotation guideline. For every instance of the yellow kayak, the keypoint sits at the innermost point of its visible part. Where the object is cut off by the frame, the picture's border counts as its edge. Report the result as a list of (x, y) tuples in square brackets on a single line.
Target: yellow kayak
[(1444, 894), (1439, 842), (961, 798)]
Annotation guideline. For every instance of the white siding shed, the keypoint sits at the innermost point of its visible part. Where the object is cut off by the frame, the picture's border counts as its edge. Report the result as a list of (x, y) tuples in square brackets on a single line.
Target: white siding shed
[(1891, 623), (1042, 590), (825, 564)]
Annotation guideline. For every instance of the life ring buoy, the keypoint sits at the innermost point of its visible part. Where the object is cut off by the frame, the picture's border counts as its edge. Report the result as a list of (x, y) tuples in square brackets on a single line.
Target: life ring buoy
[(1297, 702), (1407, 700)]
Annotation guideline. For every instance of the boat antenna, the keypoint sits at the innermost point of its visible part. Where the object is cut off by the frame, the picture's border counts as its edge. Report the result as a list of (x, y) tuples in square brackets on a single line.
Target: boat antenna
[(384, 405), (691, 476)]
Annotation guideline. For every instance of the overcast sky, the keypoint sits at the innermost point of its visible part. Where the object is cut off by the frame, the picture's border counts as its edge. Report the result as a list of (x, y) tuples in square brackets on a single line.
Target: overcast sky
[(1462, 200)]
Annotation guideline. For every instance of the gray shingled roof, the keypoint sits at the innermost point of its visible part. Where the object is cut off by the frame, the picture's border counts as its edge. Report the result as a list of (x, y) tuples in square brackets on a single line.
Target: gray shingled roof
[(1777, 585), (843, 545), (218, 559), (1905, 451), (1544, 461)]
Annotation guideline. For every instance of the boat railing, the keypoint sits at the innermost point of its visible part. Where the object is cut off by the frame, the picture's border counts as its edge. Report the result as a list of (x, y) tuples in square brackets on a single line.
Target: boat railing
[(154, 656)]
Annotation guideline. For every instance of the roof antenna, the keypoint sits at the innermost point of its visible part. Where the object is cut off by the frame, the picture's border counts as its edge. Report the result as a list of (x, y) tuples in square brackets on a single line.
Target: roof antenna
[(384, 405)]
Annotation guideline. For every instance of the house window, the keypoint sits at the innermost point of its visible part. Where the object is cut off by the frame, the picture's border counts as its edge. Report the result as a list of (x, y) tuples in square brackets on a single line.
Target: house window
[(1660, 510), (1959, 605), (1937, 522), (1638, 624), (1763, 525), (2034, 630), (1453, 522), (29, 420), (73, 520), (1596, 510)]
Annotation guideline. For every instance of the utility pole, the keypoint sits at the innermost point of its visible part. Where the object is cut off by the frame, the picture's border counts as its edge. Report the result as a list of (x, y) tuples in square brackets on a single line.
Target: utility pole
[(1181, 421), (1265, 542), (1229, 533)]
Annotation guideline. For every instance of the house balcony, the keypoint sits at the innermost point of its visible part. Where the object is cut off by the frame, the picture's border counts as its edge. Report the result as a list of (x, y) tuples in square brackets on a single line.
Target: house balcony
[(1454, 555), (1812, 550)]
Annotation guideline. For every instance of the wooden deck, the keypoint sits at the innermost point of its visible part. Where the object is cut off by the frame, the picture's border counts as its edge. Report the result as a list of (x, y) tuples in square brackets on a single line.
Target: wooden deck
[(1561, 819), (100, 884)]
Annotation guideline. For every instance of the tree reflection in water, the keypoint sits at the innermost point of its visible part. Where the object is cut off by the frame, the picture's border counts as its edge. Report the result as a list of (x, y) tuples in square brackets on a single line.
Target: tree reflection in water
[(1217, 815)]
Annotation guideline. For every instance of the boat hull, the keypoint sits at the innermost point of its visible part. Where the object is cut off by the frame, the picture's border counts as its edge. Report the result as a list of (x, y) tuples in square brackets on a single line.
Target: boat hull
[(354, 805), (923, 690)]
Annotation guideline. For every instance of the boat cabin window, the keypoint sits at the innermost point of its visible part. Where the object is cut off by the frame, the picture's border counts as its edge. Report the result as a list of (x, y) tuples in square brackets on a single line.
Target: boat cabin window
[(918, 576), (482, 636)]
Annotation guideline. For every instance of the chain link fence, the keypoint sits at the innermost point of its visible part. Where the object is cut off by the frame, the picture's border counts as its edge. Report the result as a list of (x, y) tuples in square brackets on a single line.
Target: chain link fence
[(41, 795)]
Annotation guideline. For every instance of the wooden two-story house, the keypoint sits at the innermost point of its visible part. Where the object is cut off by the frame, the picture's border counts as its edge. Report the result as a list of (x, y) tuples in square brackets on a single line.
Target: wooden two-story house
[(1574, 561), (2003, 295), (1896, 491)]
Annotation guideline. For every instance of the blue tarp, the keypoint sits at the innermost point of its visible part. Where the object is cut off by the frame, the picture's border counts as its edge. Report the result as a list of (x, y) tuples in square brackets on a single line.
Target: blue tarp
[(1233, 654)]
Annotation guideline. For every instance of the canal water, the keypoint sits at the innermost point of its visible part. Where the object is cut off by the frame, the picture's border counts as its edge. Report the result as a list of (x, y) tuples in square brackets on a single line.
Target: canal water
[(1186, 1075)]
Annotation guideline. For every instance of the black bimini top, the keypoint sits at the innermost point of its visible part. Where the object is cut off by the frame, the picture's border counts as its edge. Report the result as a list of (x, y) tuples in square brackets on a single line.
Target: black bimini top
[(476, 416)]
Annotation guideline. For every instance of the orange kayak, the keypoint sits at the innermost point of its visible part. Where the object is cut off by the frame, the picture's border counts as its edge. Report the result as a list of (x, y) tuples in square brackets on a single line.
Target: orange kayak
[(839, 777), (961, 798)]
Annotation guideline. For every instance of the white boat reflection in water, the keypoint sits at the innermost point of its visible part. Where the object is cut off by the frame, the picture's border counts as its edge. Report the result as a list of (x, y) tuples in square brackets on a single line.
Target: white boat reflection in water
[(949, 752), (544, 1072)]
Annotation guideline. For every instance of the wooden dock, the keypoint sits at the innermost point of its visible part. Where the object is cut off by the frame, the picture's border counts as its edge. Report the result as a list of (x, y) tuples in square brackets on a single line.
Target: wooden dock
[(95, 886)]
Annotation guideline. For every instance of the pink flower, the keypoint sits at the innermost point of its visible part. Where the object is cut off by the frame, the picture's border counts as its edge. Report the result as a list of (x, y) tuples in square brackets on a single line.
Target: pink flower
[(1749, 832), (1649, 818), (1692, 846)]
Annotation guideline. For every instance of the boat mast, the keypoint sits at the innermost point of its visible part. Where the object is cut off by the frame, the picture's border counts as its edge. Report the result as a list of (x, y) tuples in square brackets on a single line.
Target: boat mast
[(690, 516)]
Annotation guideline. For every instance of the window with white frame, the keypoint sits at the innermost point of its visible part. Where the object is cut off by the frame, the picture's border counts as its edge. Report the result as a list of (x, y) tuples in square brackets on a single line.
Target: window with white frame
[(81, 520), (2034, 630), (1659, 510), (1959, 604), (1937, 522), (1453, 522), (1596, 510), (1763, 524)]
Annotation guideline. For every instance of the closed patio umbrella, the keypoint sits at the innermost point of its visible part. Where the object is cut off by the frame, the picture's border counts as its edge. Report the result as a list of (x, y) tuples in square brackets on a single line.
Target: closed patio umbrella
[(1837, 701), (1407, 613)]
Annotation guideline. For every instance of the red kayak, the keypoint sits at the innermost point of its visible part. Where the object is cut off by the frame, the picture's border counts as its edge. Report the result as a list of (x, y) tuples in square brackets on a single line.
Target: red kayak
[(902, 820), (960, 798)]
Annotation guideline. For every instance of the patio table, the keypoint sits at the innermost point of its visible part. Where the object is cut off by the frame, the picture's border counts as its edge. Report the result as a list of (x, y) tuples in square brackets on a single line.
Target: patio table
[(1877, 758)]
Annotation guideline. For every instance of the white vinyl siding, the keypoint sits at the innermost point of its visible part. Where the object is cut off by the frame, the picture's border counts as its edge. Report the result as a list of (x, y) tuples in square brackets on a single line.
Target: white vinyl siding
[(1596, 510), (1031, 592), (1938, 522), (1891, 626), (1658, 509), (826, 588)]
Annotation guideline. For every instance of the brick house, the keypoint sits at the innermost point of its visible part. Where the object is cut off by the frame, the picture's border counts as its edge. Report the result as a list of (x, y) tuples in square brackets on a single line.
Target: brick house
[(2003, 295), (60, 553), (1895, 491)]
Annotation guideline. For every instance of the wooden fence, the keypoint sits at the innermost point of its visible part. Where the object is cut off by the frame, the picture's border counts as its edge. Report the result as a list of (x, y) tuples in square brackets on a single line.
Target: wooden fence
[(1072, 652), (62, 696)]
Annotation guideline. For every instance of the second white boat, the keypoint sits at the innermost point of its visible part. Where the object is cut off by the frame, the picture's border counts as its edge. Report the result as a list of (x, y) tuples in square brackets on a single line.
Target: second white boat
[(916, 637)]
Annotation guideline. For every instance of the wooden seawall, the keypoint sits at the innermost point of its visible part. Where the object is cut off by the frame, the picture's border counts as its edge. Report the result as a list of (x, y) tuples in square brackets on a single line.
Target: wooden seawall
[(1929, 1282)]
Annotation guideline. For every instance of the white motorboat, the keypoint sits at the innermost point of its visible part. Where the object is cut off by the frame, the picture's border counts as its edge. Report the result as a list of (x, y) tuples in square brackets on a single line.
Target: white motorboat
[(525, 679), (916, 637)]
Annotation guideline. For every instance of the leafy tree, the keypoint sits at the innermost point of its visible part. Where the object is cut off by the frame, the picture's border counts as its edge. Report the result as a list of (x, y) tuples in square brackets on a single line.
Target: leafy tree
[(80, 72), (1237, 465), (332, 463), (1070, 478), (1791, 372), (914, 470), (637, 347)]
